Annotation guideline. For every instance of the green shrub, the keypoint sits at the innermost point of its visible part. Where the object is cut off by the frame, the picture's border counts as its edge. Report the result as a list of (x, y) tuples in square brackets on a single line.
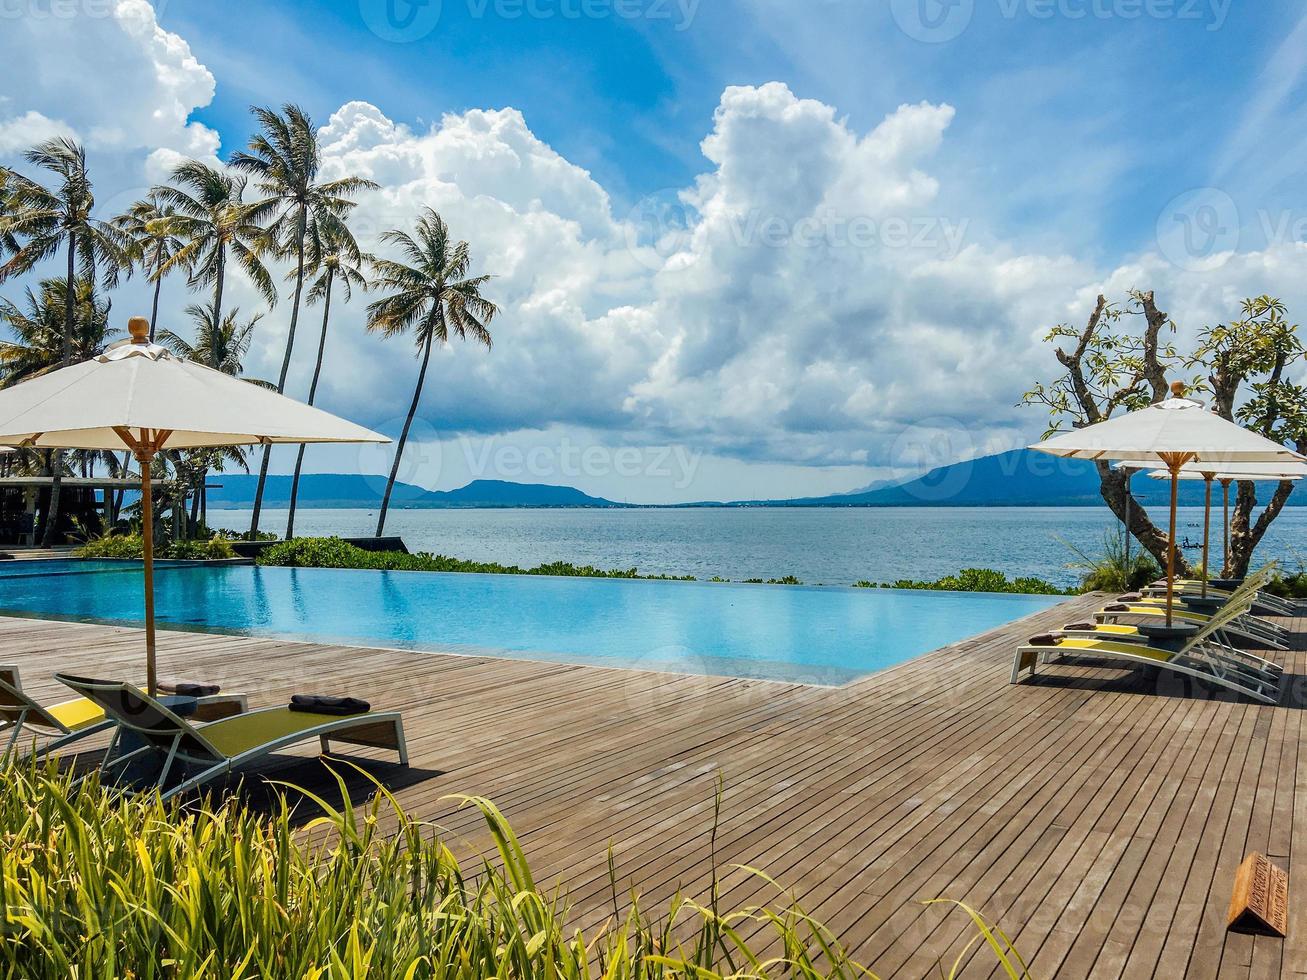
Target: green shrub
[(106, 885), (337, 553), (1109, 571), (133, 546), (975, 580), (1292, 585)]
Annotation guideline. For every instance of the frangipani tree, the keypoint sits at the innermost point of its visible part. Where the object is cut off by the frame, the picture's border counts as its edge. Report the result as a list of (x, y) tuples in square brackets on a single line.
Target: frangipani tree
[(1112, 365)]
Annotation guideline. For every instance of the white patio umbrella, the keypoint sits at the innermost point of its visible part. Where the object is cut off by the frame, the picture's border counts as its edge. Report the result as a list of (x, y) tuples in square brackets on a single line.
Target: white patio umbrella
[(1225, 476), (141, 396), (1171, 432)]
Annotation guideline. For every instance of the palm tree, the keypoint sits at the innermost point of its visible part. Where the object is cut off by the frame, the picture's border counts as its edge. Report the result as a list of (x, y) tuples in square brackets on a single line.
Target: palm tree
[(149, 227), (38, 329), (332, 256), (218, 226), (8, 240), (284, 161), (41, 343), (430, 296), (222, 345), (45, 220)]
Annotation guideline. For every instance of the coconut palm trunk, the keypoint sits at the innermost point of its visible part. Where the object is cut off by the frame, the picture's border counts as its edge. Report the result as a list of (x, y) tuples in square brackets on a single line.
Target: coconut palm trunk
[(51, 531), (403, 436), (158, 288), (219, 282), (313, 393), (301, 227)]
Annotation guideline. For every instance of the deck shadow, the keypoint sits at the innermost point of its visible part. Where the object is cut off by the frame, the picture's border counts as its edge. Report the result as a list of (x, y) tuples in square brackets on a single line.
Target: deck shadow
[(1158, 682)]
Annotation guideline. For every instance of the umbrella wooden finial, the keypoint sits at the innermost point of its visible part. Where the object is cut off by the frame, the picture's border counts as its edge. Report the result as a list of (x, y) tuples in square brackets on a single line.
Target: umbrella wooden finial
[(1178, 389), (139, 328)]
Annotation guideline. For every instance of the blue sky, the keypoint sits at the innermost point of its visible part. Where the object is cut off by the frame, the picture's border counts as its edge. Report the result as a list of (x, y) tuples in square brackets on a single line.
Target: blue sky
[(794, 248), (1075, 104)]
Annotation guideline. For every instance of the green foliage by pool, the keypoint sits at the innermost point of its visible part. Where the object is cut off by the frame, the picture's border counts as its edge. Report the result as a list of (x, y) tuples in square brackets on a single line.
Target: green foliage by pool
[(976, 580), (133, 546), (106, 885), (336, 553)]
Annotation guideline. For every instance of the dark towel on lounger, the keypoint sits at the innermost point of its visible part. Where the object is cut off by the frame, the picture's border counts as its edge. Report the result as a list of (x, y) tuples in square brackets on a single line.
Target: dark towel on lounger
[(1116, 607), (188, 689), (1044, 640), (1079, 627), (325, 704)]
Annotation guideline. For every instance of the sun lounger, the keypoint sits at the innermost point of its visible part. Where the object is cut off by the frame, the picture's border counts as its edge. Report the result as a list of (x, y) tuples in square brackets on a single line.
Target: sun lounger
[(1264, 603), (1244, 628), (1135, 655), (1197, 657), (1214, 646), (69, 721), (215, 749)]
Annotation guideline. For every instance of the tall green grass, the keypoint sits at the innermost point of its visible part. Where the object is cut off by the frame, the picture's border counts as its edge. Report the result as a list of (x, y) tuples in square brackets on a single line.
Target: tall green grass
[(99, 884)]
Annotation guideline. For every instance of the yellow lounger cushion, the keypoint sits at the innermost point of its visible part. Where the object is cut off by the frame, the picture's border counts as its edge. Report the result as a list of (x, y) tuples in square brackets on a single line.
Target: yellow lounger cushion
[(240, 733), (1107, 646), (1138, 609), (77, 713)]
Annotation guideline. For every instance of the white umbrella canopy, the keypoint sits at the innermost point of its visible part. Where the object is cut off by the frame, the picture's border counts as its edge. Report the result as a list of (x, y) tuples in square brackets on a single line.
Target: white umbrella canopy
[(141, 397), (1225, 475), (1173, 432), (143, 387), (1238, 472), (1177, 427)]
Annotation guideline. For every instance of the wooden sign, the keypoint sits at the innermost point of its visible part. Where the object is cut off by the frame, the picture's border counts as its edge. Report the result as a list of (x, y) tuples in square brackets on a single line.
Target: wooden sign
[(1261, 898)]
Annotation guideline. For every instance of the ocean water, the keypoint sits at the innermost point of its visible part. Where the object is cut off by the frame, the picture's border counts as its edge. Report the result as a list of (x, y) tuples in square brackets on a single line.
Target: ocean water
[(831, 546)]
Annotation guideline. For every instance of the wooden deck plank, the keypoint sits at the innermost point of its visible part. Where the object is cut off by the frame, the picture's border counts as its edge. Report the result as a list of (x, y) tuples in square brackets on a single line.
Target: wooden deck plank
[(1096, 814)]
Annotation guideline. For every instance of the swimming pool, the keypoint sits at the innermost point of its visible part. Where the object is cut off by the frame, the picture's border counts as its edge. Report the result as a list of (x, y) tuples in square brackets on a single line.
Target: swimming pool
[(796, 633)]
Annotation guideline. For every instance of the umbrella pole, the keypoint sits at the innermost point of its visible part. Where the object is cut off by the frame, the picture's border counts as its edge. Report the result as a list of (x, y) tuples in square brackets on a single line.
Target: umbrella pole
[(1207, 527), (147, 536), (1127, 526), (144, 447), (1173, 462), (1225, 549)]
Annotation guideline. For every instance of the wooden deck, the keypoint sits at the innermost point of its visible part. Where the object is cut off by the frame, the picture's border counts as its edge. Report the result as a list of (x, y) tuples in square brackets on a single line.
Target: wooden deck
[(1098, 816)]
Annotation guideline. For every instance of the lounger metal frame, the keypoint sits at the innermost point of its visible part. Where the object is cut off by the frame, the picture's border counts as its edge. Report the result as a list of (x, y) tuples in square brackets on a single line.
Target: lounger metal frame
[(179, 741), (1204, 656), (34, 716)]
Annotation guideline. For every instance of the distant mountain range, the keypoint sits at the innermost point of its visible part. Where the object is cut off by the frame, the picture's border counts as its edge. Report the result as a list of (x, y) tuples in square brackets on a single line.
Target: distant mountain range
[(1020, 478), (337, 490)]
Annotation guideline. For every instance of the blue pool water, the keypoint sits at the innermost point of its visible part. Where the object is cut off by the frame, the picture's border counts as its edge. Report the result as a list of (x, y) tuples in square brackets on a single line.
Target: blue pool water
[(813, 635)]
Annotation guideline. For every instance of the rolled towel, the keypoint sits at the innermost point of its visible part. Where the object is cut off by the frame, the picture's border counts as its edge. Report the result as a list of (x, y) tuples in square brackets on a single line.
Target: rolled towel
[(1116, 607), (325, 704), (1129, 597), (1044, 640), (188, 689), (1079, 627)]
